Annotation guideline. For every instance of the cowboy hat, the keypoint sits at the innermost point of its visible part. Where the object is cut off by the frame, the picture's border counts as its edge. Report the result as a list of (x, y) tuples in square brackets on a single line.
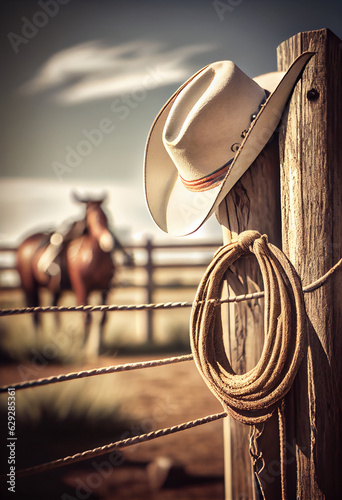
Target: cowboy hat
[(205, 138)]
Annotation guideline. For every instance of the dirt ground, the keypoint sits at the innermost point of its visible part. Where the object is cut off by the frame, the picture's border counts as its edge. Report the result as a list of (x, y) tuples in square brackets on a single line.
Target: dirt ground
[(62, 419)]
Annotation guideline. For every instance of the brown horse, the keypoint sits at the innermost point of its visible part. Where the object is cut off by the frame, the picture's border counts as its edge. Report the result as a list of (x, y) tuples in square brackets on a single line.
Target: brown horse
[(84, 264)]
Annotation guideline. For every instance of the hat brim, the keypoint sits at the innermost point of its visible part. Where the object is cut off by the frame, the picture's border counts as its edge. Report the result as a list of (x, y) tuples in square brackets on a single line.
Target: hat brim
[(178, 211)]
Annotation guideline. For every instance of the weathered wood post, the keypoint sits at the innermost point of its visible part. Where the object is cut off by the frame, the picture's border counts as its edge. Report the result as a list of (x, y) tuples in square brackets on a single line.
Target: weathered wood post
[(311, 221), (253, 203), (311, 186), (149, 290)]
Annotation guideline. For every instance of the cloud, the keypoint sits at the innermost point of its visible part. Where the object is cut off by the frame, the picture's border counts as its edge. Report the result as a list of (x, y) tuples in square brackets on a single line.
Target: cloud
[(92, 70)]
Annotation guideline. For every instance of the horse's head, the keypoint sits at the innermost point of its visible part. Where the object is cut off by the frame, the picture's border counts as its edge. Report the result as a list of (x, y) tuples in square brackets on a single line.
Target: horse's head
[(96, 220), (97, 225)]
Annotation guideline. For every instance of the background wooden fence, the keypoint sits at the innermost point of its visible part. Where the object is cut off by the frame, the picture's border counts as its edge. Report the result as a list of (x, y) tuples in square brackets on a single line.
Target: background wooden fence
[(149, 258)]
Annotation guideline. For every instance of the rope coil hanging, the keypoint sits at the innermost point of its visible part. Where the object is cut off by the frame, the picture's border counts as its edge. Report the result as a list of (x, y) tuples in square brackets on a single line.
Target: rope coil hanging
[(251, 397)]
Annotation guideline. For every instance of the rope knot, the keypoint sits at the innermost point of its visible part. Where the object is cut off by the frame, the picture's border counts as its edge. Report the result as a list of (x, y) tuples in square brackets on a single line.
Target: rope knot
[(247, 238)]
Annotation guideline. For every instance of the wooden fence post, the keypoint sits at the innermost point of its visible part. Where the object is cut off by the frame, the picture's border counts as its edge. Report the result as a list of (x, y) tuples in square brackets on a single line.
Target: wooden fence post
[(149, 290), (253, 203), (311, 186)]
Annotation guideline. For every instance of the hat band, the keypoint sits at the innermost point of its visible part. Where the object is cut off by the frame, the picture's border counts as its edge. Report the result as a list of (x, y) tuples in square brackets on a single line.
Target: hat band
[(212, 180), (208, 181)]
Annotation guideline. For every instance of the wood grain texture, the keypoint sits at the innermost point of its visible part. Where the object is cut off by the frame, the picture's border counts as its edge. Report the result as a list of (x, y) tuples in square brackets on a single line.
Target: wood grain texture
[(253, 203), (311, 187)]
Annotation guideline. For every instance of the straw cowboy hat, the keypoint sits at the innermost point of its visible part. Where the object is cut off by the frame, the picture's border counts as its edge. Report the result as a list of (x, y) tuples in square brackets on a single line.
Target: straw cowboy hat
[(206, 136)]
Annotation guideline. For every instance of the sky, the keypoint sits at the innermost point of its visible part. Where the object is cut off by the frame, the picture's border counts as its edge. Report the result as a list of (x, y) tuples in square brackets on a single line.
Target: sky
[(82, 82)]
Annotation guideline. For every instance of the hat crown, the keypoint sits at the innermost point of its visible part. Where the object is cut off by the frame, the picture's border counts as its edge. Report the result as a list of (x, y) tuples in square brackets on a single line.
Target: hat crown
[(189, 167), (208, 117)]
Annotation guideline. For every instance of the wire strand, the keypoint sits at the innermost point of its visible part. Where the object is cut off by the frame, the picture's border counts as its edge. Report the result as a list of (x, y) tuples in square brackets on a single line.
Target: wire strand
[(124, 443), (27, 384), (162, 305)]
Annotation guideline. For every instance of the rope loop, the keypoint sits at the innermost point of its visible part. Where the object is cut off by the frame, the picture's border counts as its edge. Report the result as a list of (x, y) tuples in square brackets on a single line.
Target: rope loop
[(247, 238), (251, 397)]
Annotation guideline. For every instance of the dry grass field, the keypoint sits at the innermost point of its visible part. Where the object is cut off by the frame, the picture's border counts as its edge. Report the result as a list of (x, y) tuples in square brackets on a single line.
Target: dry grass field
[(55, 421), (62, 419)]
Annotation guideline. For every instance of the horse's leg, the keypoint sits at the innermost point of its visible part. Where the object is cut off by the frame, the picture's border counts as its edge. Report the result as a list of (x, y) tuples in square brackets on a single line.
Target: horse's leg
[(32, 300), (29, 284), (87, 329), (55, 299), (104, 295), (82, 300)]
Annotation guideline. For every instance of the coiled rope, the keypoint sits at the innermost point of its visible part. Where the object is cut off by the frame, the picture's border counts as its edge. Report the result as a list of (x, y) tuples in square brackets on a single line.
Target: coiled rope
[(252, 397)]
